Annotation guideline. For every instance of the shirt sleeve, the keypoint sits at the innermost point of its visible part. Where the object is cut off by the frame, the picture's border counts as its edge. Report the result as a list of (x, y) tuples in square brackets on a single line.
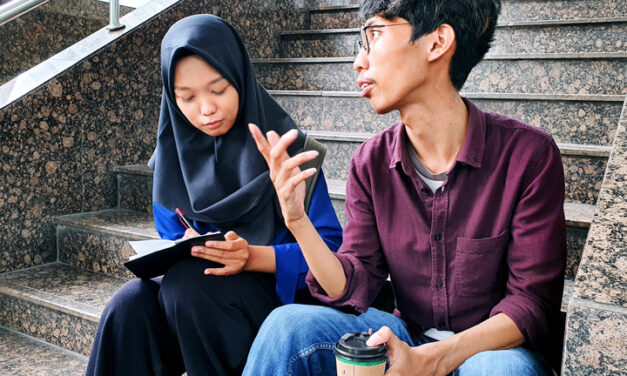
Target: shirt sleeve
[(291, 267), (361, 253), (167, 223), (537, 251)]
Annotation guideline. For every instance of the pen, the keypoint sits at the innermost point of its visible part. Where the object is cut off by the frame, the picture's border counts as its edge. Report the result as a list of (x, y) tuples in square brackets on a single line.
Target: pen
[(184, 220)]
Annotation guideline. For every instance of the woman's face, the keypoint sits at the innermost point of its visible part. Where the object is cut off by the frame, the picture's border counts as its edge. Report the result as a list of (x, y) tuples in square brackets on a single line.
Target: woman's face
[(206, 98)]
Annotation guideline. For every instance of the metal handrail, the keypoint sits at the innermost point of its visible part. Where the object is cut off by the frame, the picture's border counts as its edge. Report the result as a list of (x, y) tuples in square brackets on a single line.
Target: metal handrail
[(114, 15), (15, 8)]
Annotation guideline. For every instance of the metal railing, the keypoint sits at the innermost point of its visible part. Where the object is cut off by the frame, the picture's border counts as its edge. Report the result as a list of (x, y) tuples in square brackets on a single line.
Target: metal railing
[(13, 9)]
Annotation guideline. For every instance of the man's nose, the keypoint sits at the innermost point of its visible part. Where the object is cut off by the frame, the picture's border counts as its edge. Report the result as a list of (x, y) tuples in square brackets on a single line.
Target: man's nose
[(361, 61)]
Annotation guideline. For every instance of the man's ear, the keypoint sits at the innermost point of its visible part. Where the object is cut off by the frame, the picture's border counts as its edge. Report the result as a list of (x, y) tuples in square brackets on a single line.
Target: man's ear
[(442, 42)]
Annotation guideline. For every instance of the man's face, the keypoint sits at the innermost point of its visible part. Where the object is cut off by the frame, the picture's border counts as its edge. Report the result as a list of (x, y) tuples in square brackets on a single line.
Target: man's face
[(392, 73)]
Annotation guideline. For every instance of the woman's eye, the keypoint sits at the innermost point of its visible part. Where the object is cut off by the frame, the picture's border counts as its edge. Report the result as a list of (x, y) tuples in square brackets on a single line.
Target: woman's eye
[(220, 92), (187, 99)]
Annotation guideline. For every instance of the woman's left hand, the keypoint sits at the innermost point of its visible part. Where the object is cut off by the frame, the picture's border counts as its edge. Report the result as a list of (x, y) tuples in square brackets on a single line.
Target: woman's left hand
[(233, 253)]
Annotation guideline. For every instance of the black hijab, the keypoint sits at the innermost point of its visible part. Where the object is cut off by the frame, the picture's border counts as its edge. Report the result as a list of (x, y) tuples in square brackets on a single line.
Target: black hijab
[(221, 180)]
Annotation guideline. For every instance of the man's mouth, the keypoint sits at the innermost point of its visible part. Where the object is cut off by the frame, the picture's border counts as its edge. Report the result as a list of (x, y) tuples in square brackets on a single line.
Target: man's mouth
[(365, 86)]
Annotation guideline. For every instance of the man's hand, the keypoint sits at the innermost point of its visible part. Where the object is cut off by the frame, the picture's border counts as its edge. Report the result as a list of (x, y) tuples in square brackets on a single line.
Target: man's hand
[(233, 253), (288, 179), (406, 360)]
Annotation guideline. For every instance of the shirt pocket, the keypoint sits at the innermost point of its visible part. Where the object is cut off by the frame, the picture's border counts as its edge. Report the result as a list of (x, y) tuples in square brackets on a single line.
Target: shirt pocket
[(479, 266)]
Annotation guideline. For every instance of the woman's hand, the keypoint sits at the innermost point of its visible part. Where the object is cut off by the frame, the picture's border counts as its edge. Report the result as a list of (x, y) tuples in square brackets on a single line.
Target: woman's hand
[(288, 179), (233, 253)]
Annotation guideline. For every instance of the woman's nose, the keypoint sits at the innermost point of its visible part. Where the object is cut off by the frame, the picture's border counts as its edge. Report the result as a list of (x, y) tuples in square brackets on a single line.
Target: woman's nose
[(207, 107)]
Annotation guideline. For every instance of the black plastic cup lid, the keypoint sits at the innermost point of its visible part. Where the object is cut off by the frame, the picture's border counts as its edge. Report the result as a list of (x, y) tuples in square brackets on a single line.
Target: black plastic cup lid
[(352, 347)]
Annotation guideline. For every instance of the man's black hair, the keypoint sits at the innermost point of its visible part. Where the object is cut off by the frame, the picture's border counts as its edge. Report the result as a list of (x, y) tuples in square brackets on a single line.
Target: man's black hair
[(473, 21)]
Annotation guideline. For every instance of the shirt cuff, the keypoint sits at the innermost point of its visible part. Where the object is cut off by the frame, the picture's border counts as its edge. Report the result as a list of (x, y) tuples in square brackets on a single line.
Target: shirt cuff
[(348, 301), (531, 323)]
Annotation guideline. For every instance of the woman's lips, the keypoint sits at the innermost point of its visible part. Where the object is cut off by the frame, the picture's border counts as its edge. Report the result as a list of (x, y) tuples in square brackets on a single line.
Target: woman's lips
[(213, 124)]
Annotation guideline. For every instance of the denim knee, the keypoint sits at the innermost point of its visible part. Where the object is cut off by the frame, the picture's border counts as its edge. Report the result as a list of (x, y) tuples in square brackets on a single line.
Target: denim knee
[(518, 361)]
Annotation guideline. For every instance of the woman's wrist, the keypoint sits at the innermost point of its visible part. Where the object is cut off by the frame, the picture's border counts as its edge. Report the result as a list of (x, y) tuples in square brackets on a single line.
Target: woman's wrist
[(261, 259)]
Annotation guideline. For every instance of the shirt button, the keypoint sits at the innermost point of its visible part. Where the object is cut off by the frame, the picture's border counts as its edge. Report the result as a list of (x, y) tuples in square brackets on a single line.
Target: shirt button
[(437, 237), (438, 283), (424, 190)]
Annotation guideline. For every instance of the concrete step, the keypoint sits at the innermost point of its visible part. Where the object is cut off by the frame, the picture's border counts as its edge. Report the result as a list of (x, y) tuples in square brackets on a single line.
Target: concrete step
[(589, 73), (578, 219), (548, 38), (133, 182), (576, 119), (341, 14), (22, 355), (56, 303), (584, 165), (97, 241)]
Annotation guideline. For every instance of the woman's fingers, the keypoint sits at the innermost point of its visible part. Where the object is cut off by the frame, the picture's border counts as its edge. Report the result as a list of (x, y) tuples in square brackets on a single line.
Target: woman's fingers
[(262, 144), (290, 167)]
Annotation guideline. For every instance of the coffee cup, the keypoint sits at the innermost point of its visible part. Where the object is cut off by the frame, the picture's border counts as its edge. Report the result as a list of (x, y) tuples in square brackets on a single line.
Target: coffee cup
[(354, 358)]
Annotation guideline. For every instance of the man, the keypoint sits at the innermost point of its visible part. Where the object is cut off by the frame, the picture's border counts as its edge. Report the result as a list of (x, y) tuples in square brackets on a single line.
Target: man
[(463, 209)]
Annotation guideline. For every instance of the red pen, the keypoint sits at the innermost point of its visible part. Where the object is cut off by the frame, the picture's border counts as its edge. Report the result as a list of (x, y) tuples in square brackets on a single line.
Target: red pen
[(184, 220)]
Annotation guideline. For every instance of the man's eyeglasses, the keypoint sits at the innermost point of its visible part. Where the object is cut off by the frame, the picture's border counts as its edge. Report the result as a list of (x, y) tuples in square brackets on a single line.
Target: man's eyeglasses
[(367, 34)]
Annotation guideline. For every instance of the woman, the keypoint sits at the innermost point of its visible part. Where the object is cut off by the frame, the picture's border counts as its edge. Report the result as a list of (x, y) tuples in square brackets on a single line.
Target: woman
[(202, 317)]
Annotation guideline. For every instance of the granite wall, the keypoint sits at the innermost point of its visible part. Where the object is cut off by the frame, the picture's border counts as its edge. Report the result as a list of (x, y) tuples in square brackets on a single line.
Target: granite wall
[(35, 36), (95, 106), (596, 326)]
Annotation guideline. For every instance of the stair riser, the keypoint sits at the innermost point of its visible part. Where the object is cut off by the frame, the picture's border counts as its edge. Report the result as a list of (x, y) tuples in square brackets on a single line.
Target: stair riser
[(583, 174), (98, 252), (56, 327), (602, 76), (508, 40), (511, 11), (135, 192), (575, 239), (591, 123)]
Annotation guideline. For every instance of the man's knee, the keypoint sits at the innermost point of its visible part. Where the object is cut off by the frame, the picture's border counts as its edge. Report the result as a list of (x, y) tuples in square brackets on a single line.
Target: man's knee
[(514, 362)]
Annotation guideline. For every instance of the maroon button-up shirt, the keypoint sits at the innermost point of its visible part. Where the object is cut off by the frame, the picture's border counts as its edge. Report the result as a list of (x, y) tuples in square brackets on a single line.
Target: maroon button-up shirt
[(492, 239)]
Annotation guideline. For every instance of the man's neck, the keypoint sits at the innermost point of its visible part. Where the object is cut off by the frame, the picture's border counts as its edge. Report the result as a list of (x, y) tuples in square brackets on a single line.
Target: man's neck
[(436, 127)]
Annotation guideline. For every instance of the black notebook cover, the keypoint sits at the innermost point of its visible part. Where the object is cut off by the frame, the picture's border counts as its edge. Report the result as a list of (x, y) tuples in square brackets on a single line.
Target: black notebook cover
[(158, 262)]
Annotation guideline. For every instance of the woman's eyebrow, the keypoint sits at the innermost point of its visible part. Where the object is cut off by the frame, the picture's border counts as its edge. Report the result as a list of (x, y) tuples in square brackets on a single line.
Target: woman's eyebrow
[(217, 79)]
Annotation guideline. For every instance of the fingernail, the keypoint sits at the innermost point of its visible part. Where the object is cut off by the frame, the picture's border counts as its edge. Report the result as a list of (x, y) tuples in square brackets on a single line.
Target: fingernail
[(372, 341), (209, 244), (313, 153), (207, 271)]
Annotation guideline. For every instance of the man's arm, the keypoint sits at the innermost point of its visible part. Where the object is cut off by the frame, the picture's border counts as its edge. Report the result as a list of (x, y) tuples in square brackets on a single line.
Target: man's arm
[(441, 358)]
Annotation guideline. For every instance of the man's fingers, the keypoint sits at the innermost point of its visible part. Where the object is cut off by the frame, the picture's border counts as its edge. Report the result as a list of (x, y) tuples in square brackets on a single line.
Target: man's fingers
[(381, 336), (262, 144)]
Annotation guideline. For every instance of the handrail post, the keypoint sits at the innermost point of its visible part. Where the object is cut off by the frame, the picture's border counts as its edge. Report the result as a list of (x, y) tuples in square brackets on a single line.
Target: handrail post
[(114, 15)]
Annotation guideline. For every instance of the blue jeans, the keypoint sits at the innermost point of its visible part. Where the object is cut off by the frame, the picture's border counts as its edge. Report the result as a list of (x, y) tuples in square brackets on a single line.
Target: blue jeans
[(298, 340)]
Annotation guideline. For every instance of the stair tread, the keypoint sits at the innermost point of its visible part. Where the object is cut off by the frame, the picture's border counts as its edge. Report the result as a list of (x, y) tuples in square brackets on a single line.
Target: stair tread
[(123, 222), (577, 215), (24, 355), (471, 95), (62, 287)]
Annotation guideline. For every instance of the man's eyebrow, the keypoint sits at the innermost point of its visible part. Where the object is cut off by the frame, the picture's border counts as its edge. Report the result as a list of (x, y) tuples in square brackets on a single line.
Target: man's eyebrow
[(217, 79), (369, 22)]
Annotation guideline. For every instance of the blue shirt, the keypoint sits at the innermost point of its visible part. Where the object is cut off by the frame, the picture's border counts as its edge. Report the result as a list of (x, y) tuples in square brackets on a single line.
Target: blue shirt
[(291, 268)]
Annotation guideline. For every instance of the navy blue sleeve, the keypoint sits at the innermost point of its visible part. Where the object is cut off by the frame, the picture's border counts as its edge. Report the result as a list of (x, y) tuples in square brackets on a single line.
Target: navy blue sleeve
[(291, 268)]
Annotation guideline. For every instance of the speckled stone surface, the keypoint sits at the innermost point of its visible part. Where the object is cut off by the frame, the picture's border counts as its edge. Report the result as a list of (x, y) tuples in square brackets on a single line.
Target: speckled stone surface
[(603, 272), (508, 40), (559, 76), (576, 122), (335, 19), (99, 241), (534, 10), (596, 332), (135, 192), (56, 303), (596, 341), (46, 30), (21, 356), (60, 143)]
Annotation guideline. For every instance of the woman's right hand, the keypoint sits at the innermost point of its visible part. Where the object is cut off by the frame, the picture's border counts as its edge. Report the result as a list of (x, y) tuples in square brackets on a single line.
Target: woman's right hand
[(288, 179)]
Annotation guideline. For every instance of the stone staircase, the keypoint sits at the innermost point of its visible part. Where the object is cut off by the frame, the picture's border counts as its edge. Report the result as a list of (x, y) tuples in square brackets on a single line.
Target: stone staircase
[(558, 65)]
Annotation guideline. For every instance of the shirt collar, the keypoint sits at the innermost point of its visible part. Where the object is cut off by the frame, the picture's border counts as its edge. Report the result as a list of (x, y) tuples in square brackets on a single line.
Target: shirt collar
[(471, 152)]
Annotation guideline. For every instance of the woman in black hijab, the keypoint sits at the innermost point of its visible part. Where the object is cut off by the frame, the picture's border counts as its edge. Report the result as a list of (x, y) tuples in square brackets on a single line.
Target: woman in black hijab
[(200, 317)]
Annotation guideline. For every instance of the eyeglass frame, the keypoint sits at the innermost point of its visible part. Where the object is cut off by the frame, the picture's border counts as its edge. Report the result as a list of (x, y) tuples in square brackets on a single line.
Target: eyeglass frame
[(364, 36)]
